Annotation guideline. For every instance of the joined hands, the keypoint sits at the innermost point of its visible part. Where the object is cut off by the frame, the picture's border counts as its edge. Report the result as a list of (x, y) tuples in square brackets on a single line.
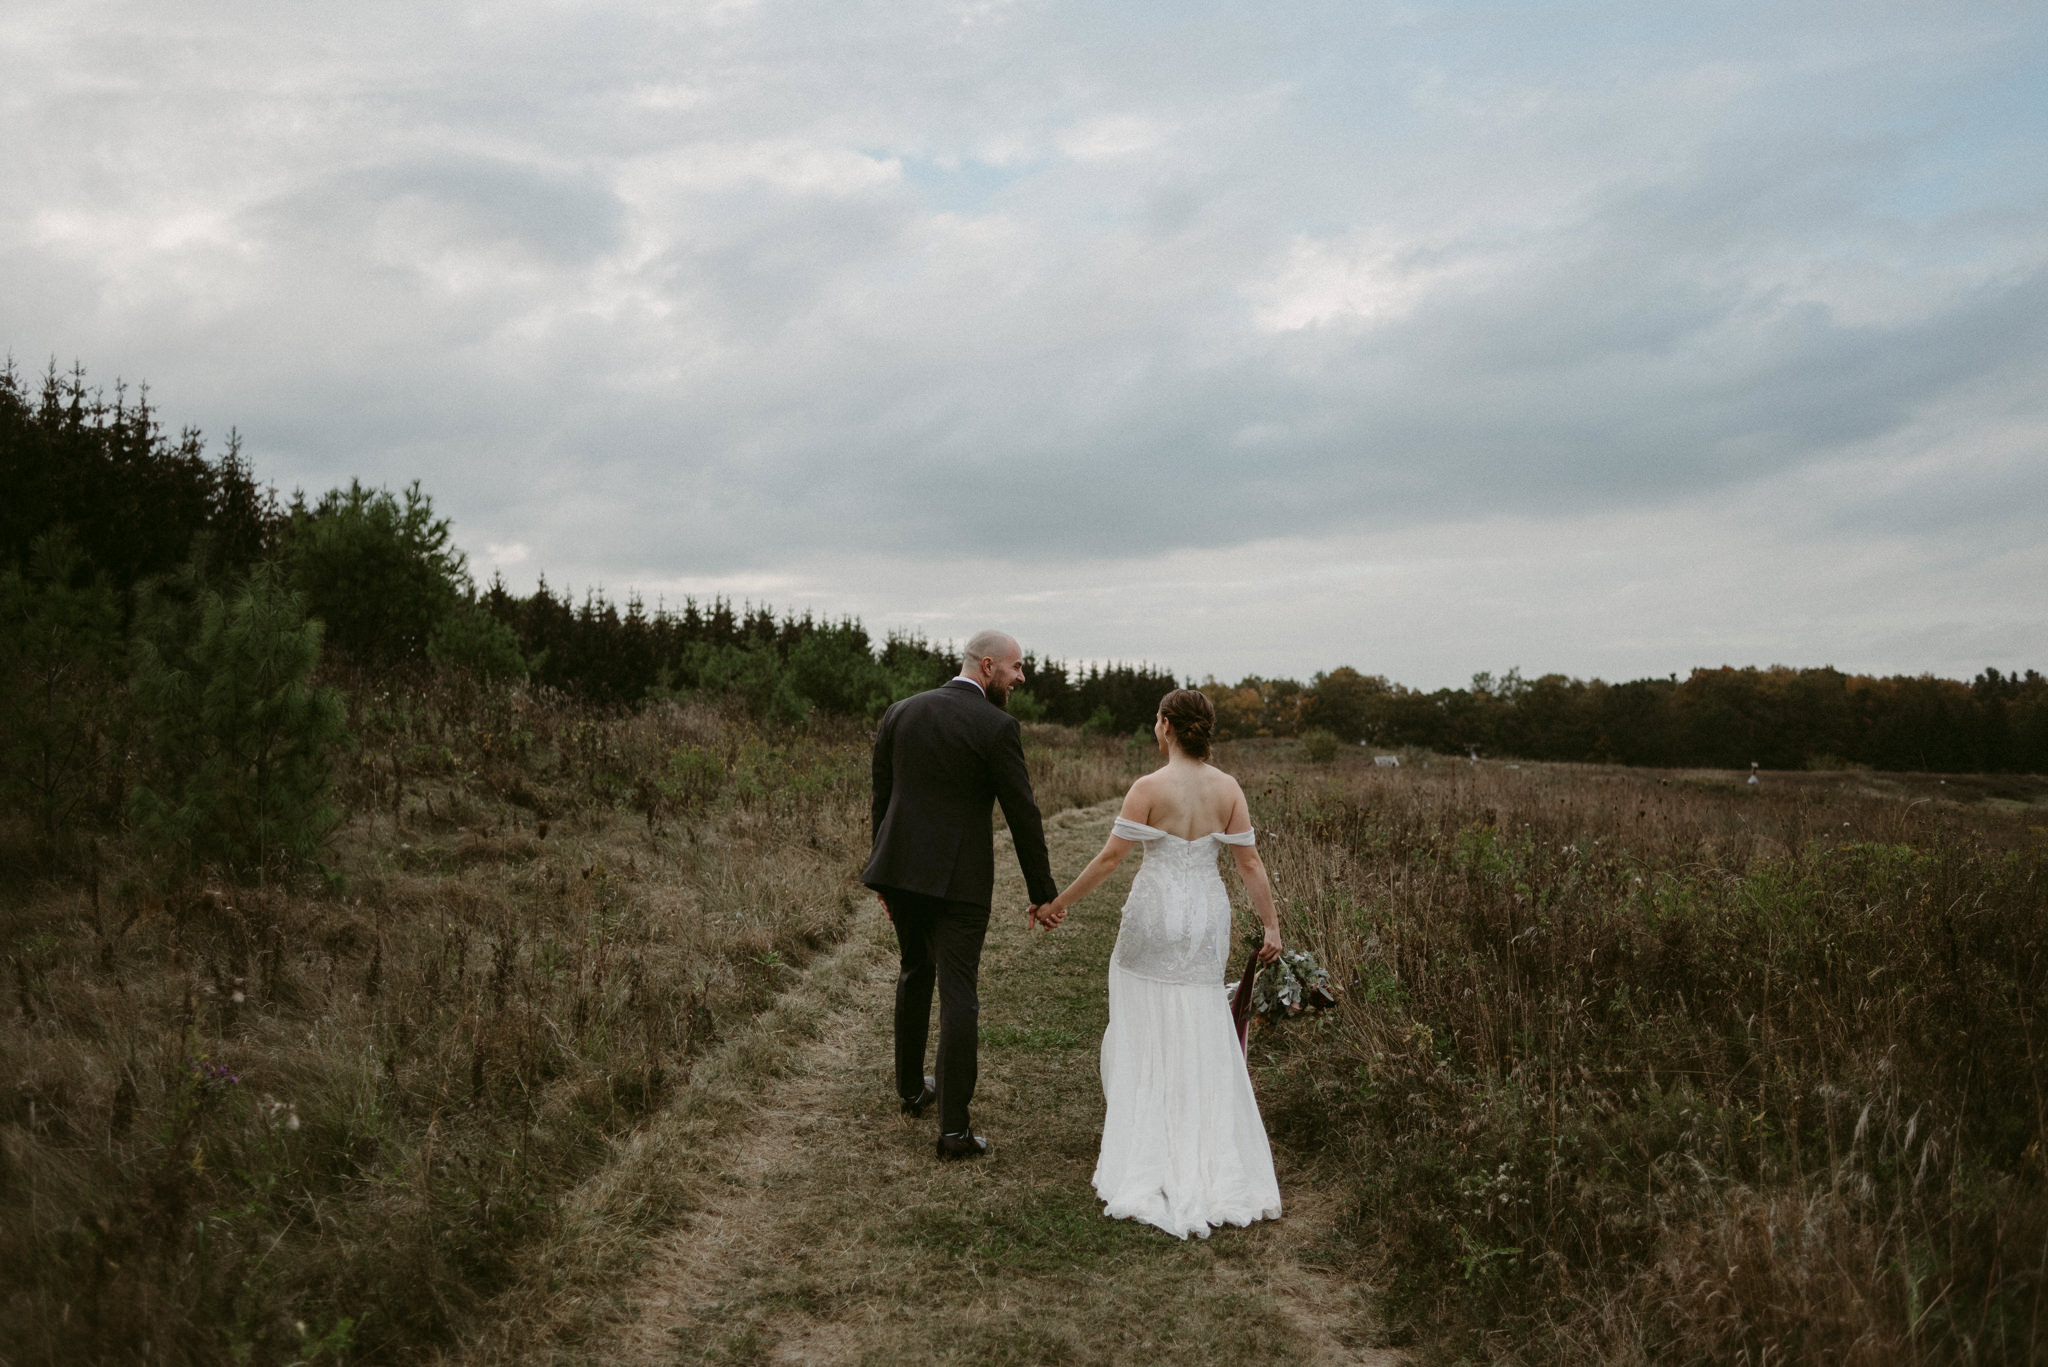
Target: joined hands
[(1045, 916)]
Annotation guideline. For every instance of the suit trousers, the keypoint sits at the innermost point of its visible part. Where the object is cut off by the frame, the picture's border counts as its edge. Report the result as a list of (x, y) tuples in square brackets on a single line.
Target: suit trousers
[(938, 941)]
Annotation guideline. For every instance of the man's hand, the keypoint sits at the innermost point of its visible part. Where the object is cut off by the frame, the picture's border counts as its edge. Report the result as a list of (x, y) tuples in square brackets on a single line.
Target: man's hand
[(1047, 915), (885, 907)]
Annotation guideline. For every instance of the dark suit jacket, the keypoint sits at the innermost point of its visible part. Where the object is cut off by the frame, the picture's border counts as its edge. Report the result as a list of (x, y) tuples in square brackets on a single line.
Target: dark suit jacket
[(942, 760)]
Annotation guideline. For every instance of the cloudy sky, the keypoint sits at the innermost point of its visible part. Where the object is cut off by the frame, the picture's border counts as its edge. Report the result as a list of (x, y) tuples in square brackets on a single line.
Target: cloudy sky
[(1602, 338)]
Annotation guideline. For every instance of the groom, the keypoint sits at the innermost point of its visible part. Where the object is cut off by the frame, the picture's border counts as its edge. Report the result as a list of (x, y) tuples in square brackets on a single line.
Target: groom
[(942, 759)]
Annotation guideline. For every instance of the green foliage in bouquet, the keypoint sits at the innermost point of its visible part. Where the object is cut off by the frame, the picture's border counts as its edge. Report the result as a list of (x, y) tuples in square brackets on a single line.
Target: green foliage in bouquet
[(1290, 985)]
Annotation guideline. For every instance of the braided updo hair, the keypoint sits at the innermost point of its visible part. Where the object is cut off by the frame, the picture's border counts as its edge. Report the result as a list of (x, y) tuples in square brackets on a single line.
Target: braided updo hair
[(1193, 719)]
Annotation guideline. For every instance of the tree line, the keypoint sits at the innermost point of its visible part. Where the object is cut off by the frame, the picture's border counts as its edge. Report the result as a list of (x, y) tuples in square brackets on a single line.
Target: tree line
[(782, 668), (1780, 718), (175, 639)]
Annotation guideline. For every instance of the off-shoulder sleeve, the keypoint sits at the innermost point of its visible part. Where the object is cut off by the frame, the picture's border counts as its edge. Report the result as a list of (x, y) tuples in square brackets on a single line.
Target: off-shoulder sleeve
[(1240, 838), (1125, 829)]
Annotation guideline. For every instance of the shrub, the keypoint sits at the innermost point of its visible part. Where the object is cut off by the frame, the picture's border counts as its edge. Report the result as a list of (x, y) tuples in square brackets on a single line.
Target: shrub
[(752, 673), (379, 570), (59, 697), (1319, 745), (472, 641), (832, 669), (1024, 707), (241, 738)]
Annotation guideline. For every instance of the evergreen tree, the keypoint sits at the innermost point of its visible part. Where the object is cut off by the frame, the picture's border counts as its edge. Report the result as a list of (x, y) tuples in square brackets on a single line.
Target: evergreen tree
[(131, 497), (59, 697), (472, 641), (379, 569), (241, 738)]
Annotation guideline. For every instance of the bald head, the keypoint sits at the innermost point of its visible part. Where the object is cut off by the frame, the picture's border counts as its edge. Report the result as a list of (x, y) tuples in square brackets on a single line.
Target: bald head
[(987, 645), (994, 660)]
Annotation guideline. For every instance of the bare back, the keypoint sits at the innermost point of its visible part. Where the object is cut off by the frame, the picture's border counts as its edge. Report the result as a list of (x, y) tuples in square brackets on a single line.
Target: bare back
[(1188, 798)]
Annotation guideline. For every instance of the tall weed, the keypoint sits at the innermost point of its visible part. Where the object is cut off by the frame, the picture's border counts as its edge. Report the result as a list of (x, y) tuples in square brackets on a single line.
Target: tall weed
[(292, 1121), (1640, 1068)]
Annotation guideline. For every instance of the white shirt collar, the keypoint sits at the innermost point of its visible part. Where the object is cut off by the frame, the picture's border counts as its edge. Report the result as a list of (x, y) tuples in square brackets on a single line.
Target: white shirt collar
[(962, 678)]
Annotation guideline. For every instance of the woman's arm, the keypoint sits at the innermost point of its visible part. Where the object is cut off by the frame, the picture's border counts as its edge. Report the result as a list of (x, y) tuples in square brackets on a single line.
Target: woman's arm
[(1136, 808), (1100, 867), (1252, 869)]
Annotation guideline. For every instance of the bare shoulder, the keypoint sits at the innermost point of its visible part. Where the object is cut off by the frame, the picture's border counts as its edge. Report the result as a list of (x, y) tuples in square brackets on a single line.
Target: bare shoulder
[(1138, 800), (1222, 781), (1230, 795)]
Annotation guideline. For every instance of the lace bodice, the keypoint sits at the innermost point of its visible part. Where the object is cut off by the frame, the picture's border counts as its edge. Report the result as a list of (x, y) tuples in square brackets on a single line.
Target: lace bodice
[(1176, 922)]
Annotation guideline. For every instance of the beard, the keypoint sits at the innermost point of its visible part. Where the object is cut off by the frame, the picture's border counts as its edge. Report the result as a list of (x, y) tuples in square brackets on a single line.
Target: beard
[(999, 695)]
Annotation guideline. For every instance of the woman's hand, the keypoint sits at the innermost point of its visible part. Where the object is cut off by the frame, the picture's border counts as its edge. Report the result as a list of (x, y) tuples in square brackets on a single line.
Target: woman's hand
[(1047, 916), (1270, 950)]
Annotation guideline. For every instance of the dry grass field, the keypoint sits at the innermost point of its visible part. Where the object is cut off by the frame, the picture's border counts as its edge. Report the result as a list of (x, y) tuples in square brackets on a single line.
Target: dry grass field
[(578, 1055), (1643, 1067), (336, 1119), (824, 1230)]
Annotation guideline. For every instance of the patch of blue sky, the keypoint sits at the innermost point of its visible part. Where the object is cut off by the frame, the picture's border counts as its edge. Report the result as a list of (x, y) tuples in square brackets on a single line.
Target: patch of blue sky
[(962, 186), (1556, 37), (1979, 148)]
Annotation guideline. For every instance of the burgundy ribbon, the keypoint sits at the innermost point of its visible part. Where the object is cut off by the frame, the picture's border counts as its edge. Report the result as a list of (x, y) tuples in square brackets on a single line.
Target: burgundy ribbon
[(1241, 1003)]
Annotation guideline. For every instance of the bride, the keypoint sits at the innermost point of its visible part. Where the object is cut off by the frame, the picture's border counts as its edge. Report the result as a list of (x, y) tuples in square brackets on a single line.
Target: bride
[(1182, 1145)]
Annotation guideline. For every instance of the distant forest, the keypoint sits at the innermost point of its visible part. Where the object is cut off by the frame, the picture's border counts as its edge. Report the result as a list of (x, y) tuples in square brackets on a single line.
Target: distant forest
[(107, 522), (1780, 718), (95, 490)]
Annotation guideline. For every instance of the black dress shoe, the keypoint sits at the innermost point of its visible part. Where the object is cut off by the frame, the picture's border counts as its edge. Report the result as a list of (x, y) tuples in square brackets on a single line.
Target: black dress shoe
[(915, 1105), (962, 1146)]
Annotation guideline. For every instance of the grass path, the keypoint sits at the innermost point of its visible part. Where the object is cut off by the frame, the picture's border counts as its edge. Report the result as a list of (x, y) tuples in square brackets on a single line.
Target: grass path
[(832, 1234)]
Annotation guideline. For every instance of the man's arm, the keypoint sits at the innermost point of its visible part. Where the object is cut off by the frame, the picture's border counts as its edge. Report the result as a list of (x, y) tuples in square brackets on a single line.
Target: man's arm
[(884, 771), (1020, 810)]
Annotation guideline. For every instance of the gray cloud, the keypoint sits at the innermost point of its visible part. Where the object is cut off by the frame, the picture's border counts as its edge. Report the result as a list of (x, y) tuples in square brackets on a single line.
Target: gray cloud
[(559, 218), (702, 295)]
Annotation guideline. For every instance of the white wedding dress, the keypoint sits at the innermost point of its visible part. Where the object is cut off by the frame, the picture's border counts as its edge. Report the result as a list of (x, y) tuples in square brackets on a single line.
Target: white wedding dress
[(1182, 1145)]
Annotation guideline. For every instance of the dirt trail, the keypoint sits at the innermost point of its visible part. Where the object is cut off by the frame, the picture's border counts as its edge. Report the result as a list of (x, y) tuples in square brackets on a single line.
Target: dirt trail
[(833, 1234)]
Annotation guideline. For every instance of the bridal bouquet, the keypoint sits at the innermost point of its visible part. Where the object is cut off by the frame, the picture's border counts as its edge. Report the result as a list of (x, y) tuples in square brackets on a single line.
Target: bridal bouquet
[(1290, 985)]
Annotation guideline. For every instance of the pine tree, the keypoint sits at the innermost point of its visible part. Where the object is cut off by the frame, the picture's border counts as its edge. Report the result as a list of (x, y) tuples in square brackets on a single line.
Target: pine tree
[(381, 570), (59, 690), (242, 738)]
